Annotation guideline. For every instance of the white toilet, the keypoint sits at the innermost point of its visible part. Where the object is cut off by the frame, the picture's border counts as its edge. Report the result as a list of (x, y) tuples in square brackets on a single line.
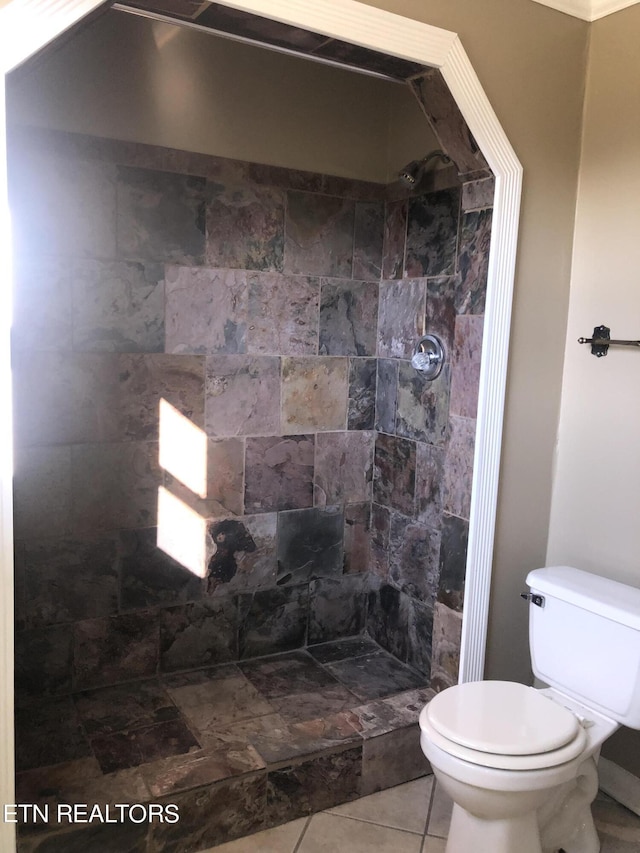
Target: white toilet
[(520, 763)]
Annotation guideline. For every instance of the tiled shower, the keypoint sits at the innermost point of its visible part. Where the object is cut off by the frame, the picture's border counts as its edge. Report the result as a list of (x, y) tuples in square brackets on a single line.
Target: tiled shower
[(222, 450)]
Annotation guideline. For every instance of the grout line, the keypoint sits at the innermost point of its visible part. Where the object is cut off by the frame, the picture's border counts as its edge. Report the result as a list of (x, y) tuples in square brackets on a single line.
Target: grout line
[(430, 808), (302, 834), (373, 822)]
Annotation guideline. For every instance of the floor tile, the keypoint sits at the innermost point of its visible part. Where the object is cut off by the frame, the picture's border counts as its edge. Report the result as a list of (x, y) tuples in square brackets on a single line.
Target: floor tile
[(440, 816), (49, 733), (287, 674), (434, 845), (280, 839), (618, 828), (132, 748), (403, 807), (328, 833), (309, 706), (125, 706)]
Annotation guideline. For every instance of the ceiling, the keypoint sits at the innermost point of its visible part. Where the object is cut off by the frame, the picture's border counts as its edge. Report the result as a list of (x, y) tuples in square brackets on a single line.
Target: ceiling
[(588, 10)]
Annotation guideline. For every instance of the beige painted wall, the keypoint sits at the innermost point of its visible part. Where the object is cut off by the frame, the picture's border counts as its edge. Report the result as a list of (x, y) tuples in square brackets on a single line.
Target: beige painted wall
[(126, 78), (596, 497), (531, 62)]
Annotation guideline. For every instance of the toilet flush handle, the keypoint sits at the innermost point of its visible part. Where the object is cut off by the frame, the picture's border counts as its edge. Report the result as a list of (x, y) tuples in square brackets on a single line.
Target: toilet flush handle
[(533, 597)]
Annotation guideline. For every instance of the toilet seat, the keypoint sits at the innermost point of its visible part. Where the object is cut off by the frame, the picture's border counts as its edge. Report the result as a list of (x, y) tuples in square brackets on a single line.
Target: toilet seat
[(503, 725)]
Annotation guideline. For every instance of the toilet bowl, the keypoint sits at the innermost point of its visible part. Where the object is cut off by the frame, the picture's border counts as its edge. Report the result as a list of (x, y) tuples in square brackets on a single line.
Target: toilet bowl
[(502, 751), (520, 763)]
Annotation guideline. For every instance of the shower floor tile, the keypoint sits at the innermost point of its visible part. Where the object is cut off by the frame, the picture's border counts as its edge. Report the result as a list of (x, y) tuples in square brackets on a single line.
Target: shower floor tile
[(373, 676), (270, 725)]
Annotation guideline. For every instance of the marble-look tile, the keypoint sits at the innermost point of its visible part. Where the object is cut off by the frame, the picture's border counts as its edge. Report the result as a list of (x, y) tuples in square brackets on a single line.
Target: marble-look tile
[(66, 580), (284, 741), (337, 608), (403, 806), (319, 235), (447, 633), (314, 394), (422, 410), (123, 750), (42, 492), (368, 240), (212, 815), (473, 261), (149, 576), (199, 634), (93, 397), (283, 314), (64, 398), (478, 194), (287, 674), (215, 699), (388, 618), (401, 318), (348, 316), (279, 473), (375, 675), (429, 474), (387, 715), (386, 395), (465, 372), (84, 191), (361, 405), (124, 706), (371, 60), (333, 832), (395, 473), (41, 304), (401, 625), (80, 781), (49, 733), (115, 485), (314, 785), (43, 662), (144, 380), (453, 561), (432, 233), (414, 553), (301, 707), (201, 767), (357, 538), (115, 648), (310, 544), (343, 467), (242, 395), (118, 306), (458, 467), (160, 216), (245, 226), (206, 310), (380, 530), (419, 632), (337, 650), (442, 296), (395, 235), (443, 114), (251, 567), (273, 620), (224, 481), (392, 759), (111, 838)]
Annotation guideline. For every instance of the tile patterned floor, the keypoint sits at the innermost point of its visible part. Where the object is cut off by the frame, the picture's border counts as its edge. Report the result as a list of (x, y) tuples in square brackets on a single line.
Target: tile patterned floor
[(410, 818)]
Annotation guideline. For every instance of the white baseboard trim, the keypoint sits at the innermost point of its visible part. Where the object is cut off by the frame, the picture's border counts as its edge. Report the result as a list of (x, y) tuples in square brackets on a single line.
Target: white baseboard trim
[(619, 784)]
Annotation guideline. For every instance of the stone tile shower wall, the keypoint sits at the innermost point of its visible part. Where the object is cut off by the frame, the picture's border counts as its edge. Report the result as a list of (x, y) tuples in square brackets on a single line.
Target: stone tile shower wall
[(265, 306)]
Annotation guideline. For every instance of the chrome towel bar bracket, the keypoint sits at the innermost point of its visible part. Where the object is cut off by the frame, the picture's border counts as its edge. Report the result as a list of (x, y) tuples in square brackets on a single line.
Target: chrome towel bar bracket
[(601, 341)]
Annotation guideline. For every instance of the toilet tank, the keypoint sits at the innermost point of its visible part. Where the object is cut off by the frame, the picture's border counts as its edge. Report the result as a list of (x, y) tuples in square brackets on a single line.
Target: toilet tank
[(584, 638)]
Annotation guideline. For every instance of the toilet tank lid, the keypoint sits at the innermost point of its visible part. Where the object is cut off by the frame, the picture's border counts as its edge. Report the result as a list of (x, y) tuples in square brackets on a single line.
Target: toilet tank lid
[(602, 596)]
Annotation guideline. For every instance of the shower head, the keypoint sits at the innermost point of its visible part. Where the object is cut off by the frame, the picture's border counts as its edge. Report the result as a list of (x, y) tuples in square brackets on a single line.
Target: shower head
[(412, 173)]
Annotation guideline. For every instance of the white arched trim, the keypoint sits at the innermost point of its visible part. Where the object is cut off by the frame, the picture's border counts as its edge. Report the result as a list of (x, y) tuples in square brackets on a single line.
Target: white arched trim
[(28, 25)]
